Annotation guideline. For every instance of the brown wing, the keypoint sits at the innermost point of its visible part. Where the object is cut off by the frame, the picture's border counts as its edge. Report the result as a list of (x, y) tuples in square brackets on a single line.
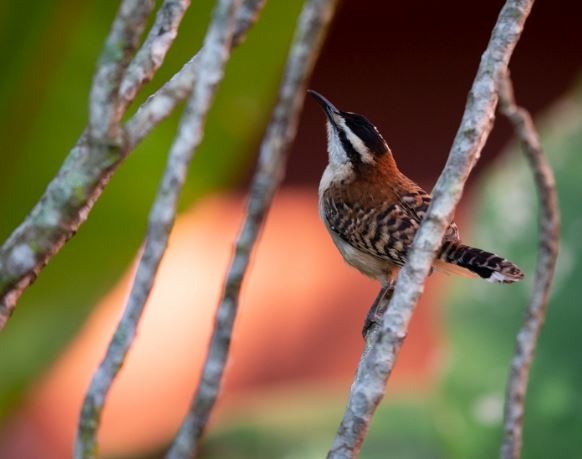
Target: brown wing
[(416, 204), (383, 230)]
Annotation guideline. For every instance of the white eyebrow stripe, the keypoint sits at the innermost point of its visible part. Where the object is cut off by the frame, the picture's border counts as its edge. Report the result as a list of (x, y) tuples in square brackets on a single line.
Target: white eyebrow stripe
[(357, 143)]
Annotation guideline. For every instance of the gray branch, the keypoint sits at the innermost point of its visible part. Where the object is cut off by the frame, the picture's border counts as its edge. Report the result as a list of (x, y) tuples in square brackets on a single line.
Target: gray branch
[(313, 23), (549, 222), (104, 109), (247, 16), (161, 104), (153, 52), (70, 196), (376, 366), (213, 58)]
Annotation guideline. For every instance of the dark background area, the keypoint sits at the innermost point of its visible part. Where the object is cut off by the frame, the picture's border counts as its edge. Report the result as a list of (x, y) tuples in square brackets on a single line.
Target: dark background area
[(407, 66)]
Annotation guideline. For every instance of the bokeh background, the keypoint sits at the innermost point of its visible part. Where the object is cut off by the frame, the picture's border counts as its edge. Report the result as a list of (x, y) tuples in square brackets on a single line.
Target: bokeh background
[(408, 67)]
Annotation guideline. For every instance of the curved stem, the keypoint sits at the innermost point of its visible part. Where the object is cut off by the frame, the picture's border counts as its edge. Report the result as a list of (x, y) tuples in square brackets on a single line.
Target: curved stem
[(549, 222), (313, 23)]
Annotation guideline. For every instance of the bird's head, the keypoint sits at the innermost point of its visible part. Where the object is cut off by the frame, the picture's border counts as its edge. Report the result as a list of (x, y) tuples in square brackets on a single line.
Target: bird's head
[(350, 136)]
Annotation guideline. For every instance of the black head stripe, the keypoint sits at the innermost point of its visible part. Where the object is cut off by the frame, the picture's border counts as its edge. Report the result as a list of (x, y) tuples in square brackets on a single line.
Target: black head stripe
[(366, 131), (353, 155)]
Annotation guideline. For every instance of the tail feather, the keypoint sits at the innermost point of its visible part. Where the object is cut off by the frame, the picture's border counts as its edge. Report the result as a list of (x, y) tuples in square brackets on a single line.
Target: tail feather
[(476, 262)]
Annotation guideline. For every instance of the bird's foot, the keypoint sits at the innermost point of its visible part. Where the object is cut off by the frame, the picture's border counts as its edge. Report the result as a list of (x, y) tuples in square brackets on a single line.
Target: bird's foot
[(372, 318), (378, 308)]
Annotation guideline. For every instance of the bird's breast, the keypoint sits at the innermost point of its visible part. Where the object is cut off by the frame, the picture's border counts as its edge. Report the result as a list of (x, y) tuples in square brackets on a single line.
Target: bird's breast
[(371, 266)]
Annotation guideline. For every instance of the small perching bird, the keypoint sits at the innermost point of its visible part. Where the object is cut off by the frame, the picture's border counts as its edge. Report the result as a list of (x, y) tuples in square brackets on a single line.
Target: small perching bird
[(372, 210)]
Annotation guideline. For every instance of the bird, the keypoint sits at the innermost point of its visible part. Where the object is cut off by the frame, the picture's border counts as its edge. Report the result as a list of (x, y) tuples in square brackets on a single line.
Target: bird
[(372, 210)]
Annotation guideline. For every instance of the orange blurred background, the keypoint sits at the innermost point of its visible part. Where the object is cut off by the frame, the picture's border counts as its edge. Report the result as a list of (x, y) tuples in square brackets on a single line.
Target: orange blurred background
[(299, 325)]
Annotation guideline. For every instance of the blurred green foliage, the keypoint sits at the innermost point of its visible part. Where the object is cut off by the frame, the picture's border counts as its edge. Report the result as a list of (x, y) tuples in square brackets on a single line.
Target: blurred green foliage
[(48, 54), (403, 429), (484, 319)]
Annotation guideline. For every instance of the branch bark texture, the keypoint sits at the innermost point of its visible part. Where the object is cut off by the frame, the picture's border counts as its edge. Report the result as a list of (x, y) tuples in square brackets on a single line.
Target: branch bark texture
[(104, 108), (376, 366), (549, 222), (153, 52), (70, 196), (313, 23), (215, 54)]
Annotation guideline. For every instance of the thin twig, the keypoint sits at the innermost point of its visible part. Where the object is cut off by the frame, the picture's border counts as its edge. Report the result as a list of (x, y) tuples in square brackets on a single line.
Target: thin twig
[(71, 195), (312, 26), (104, 109), (163, 102), (549, 222), (215, 54), (153, 51), (375, 369)]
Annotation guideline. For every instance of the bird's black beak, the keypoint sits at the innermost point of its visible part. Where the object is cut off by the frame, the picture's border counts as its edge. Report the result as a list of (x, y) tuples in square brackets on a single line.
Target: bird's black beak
[(327, 106)]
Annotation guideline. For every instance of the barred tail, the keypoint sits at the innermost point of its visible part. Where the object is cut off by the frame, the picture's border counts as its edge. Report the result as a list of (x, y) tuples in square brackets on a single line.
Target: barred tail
[(471, 262)]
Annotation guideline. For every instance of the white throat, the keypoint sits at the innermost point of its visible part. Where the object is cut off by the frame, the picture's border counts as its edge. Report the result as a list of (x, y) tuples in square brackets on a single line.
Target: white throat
[(336, 153), (335, 149)]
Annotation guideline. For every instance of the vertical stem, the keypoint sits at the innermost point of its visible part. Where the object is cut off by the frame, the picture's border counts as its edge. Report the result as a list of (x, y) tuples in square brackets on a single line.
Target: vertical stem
[(215, 54), (313, 23), (549, 222)]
